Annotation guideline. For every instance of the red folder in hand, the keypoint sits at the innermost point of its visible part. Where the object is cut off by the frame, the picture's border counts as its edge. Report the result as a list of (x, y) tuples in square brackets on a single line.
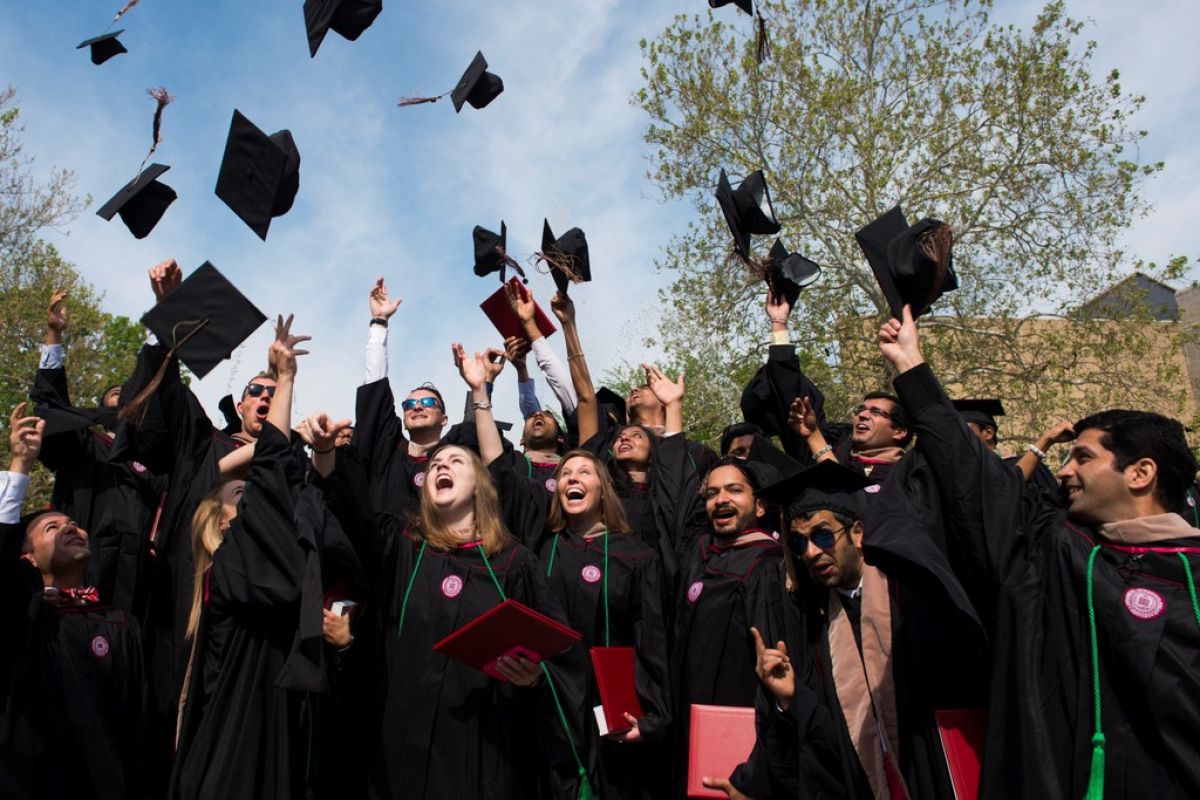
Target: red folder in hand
[(962, 731), (720, 738), (614, 668), (505, 319), (510, 629)]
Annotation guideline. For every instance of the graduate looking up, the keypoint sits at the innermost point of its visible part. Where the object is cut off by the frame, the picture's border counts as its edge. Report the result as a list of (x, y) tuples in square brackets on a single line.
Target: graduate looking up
[(1091, 611), (71, 677), (893, 634), (782, 401), (114, 500)]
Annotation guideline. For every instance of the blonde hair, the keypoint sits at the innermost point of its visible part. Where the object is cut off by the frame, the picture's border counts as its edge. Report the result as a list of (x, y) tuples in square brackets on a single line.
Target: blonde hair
[(207, 535), (428, 521), (612, 510)]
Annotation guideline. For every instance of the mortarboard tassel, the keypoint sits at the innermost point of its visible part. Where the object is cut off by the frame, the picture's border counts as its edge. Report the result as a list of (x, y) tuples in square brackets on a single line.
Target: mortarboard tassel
[(122, 12), (556, 260), (762, 45), (134, 412), (416, 101), (164, 99)]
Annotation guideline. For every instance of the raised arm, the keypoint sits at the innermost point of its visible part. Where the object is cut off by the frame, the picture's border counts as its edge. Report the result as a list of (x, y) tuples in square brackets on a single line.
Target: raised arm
[(474, 372), (670, 394), (382, 308), (588, 410), (1030, 460), (516, 348)]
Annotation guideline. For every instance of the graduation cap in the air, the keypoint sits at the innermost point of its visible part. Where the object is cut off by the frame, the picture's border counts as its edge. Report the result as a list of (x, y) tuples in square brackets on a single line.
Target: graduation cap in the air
[(259, 175), (607, 397), (141, 202), (491, 255), (761, 45), (747, 209), (981, 412), (913, 264), (825, 486), (744, 5), (349, 18), (567, 256), (477, 86), (788, 273), (104, 46)]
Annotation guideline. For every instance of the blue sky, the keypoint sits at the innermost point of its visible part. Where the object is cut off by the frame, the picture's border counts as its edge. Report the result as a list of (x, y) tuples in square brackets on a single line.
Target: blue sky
[(396, 192)]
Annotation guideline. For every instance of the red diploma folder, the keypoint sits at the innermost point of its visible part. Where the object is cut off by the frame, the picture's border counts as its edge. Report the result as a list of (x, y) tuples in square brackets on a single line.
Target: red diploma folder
[(509, 629), (502, 316), (721, 737), (618, 688), (962, 731)]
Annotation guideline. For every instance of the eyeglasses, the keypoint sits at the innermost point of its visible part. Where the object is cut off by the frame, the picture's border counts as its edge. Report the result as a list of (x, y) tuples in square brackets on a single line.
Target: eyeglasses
[(821, 537), (874, 411), (255, 389), (412, 402)]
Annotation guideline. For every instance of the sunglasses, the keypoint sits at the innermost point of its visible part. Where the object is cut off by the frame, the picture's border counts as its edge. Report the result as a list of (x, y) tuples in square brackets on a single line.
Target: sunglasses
[(256, 389), (821, 537), (413, 402)]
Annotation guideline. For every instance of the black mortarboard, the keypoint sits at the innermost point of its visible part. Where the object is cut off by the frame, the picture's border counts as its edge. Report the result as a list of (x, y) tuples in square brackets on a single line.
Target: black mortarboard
[(477, 86), (744, 5), (912, 264), (567, 252), (141, 202), (489, 249), (763, 451), (982, 412), (259, 175), (747, 209), (346, 17), (607, 397), (204, 319), (826, 485), (104, 46), (228, 408), (788, 273)]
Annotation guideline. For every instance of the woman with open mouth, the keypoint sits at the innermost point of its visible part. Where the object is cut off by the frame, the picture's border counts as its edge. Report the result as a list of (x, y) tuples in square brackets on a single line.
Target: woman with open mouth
[(446, 729)]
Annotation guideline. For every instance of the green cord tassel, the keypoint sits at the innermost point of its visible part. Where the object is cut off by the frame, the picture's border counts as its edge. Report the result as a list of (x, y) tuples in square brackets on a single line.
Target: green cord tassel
[(585, 786), (1095, 789)]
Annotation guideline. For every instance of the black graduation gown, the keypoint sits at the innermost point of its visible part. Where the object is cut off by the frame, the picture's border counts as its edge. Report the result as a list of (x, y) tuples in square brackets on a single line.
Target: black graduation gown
[(178, 441), (1034, 563), (445, 729), (247, 724), (636, 618), (114, 501), (723, 592), (72, 684)]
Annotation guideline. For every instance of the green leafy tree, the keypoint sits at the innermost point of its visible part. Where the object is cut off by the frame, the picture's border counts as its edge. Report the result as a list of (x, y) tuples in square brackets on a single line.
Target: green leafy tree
[(1007, 134)]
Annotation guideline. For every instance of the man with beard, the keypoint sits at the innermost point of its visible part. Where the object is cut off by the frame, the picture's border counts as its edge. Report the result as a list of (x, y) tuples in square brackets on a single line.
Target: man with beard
[(71, 673), (1091, 611), (116, 501), (783, 402)]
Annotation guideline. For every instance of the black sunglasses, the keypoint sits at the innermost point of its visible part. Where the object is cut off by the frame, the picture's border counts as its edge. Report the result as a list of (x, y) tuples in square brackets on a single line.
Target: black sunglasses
[(255, 389), (412, 402), (821, 537)]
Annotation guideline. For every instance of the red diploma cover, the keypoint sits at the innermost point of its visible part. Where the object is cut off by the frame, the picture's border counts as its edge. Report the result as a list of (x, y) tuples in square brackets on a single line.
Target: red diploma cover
[(720, 738), (614, 670), (510, 629), (502, 316), (962, 732)]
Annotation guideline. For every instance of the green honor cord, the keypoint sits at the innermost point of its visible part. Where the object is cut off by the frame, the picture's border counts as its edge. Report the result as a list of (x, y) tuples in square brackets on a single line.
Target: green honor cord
[(408, 589), (585, 787), (1095, 788)]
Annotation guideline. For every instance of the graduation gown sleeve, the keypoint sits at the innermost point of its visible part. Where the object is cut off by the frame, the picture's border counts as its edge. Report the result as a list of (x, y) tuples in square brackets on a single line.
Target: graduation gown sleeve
[(769, 395)]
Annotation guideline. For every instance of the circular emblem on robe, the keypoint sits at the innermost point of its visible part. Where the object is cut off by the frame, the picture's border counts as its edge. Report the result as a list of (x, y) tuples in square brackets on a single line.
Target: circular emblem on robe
[(99, 646), (452, 585), (694, 591), (551, 484), (1144, 603), (873, 488), (138, 468), (591, 573), (419, 480), (775, 535)]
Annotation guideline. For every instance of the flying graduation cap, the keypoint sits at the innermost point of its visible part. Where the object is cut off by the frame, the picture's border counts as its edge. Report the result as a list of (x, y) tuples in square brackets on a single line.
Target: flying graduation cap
[(104, 46), (567, 257), (348, 18), (747, 209), (490, 253), (913, 264), (788, 273), (202, 322), (981, 412), (143, 201), (259, 174), (761, 45), (477, 87)]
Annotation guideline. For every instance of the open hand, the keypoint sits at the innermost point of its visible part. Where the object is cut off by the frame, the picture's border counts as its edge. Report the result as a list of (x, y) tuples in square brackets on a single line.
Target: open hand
[(473, 369), (666, 390), (24, 438), (281, 357), (801, 417), (520, 300), (378, 300)]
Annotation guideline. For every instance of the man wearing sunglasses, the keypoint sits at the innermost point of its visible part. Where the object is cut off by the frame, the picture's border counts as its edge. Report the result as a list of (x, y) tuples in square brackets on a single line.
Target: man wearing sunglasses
[(893, 635)]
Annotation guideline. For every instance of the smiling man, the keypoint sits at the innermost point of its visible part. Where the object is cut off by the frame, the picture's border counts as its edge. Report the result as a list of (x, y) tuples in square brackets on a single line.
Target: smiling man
[(1092, 611), (71, 686)]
